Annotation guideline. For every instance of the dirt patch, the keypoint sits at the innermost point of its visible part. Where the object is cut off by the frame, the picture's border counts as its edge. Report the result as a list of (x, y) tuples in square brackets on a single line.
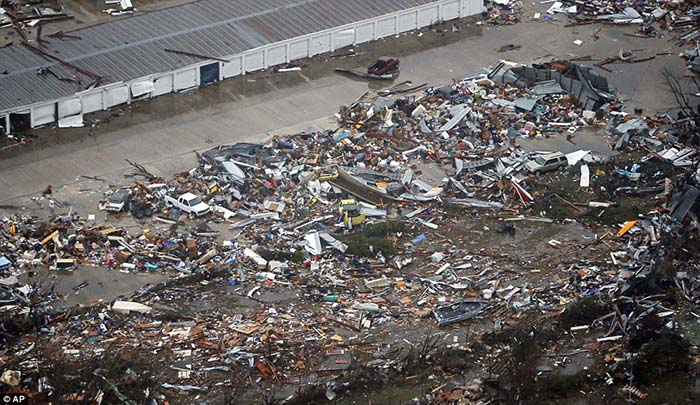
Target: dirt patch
[(583, 312)]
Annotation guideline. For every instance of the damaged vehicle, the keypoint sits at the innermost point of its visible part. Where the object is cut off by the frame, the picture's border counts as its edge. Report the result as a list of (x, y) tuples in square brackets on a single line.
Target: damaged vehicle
[(188, 203), (386, 65), (545, 163), (119, 201)]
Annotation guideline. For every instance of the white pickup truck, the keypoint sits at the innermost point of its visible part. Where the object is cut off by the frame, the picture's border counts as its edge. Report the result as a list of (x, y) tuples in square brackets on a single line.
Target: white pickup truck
[(188, 203)]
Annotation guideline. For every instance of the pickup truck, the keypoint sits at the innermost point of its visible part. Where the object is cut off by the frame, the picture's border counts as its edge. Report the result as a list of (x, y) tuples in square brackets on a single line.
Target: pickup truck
[(188, 203), (119, 200)]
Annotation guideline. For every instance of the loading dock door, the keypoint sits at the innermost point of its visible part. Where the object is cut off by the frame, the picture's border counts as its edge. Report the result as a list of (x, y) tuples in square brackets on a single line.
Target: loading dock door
[(69, 107), (163, 85), (20, 122), (185, 80), (115, 96), (91, 101), (232, 68), (44, 114), (209, 73), (344, 38), (298, 50), (3, 131), (253, 61), (450, 10)]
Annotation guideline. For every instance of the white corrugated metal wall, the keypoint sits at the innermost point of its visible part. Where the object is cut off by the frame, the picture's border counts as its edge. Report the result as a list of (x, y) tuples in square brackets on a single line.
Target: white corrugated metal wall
[(114, 94)]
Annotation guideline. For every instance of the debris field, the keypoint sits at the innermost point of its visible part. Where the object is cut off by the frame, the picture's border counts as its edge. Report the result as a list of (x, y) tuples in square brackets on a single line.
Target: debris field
[(416, 252)]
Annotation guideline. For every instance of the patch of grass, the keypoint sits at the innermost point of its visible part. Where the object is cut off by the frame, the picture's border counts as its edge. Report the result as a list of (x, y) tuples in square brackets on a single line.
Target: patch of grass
[(521, 362), (627, 157), (455, 360), (665, 354), (583, 311), (628, 209), (123, 373), (383, 229), (557, 209), (372, 239), (666, 268), (673, 388), (282, 256), (559, 385), (453, 210), (368, 247)]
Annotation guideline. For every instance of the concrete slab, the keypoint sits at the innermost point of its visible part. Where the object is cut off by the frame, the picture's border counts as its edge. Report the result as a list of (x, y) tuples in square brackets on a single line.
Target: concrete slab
[(103, 284)]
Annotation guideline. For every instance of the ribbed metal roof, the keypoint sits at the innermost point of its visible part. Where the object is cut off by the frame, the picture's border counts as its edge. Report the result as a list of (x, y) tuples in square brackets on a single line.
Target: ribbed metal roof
[(130, 48)]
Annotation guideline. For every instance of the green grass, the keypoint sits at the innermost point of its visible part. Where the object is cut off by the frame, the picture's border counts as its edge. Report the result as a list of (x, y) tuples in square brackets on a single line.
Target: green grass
[(282, 256), (372, 239), (383, 229), (583, 311), (628, 209)]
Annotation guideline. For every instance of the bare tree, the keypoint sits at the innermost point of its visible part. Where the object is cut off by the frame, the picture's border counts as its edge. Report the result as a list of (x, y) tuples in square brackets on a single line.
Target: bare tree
[(676, 88)]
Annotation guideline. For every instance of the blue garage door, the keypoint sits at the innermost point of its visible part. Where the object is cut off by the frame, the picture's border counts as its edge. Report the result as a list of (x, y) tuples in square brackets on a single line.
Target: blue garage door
[(209, 73)]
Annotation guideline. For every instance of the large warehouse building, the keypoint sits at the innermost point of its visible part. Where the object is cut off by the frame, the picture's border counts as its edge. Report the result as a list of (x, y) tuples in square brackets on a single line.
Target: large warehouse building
[(178, 48)]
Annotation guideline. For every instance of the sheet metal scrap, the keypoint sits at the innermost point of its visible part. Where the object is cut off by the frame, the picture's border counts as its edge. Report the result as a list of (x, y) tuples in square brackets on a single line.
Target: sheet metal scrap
[(458, 312)]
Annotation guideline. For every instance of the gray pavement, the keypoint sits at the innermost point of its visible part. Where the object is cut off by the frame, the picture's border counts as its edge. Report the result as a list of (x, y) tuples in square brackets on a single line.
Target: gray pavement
[(166, 145), (103, 285), (584, 139)]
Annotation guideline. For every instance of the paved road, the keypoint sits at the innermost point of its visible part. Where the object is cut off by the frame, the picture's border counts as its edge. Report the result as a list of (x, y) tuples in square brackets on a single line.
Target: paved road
[(165, 145)]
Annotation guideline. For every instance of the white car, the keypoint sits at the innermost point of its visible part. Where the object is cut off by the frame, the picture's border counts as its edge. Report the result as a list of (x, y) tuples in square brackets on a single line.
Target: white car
[(544, 163), (189, 203), (119, 200)]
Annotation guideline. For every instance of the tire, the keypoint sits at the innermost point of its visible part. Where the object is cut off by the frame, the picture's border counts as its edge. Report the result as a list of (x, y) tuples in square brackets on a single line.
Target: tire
[(538, 173)]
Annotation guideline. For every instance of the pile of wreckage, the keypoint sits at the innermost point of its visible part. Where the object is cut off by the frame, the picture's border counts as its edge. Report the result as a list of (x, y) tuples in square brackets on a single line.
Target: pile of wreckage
[(69, 243), (503, 12), (27, 14), (24, 15), (682, 18), (374, 153), (119, 7), (293, 187), (284, 211), (622, 12)]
